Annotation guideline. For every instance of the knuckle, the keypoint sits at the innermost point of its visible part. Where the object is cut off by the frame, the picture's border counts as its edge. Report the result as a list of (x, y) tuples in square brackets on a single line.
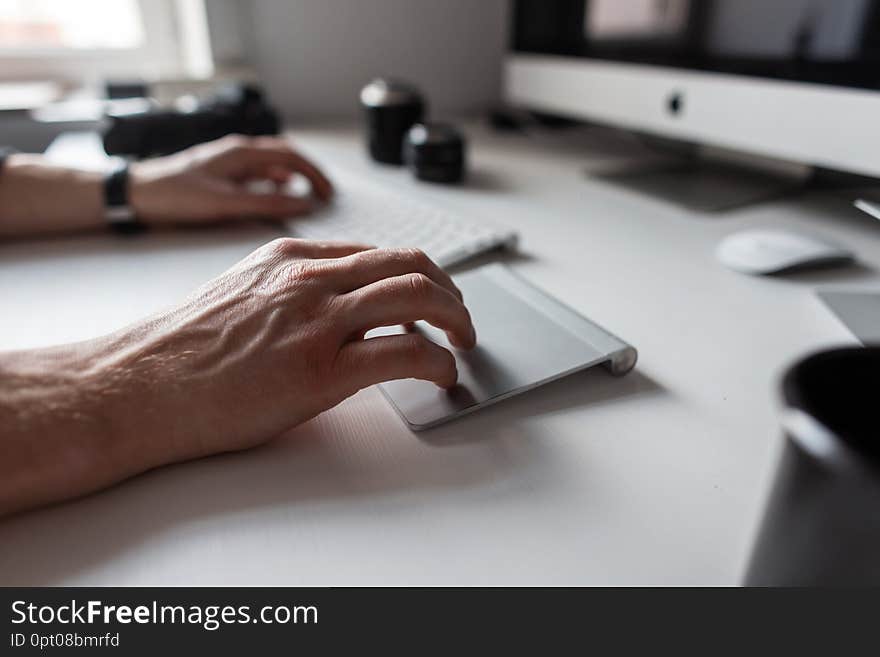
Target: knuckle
[(419, 285), (284, 267), (236, 141), (416, 257), (283, 246), (301, 271)]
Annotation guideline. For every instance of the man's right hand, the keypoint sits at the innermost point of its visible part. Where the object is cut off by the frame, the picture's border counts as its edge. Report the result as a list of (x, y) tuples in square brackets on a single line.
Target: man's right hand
[(279, 338), (272, 342)]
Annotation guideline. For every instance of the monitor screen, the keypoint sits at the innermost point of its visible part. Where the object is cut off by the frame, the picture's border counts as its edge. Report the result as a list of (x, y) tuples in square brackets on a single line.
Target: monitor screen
[(834, 42)]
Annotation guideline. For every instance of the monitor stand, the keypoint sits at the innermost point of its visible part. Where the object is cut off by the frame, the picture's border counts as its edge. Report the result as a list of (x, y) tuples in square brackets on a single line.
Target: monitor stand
[(706, 179)]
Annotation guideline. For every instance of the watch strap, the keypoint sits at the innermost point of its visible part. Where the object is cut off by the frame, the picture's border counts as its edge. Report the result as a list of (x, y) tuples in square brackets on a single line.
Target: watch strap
[(117, 210)]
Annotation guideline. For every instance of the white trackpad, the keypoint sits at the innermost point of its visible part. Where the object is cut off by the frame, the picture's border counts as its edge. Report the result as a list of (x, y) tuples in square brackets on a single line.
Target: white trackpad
[(524, 339)]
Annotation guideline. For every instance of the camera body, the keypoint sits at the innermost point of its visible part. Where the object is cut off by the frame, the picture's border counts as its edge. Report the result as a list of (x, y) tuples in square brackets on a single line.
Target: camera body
[(235, 108)]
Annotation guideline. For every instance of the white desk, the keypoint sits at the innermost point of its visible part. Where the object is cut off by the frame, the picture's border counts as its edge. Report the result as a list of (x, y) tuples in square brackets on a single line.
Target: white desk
[(655, 478)]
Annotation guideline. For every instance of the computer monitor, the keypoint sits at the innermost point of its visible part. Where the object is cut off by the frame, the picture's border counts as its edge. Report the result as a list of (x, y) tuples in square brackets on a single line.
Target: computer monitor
[(795, 80)]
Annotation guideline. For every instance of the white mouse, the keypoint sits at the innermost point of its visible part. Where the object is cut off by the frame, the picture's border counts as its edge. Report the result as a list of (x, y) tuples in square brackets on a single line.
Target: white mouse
[(772, 251)]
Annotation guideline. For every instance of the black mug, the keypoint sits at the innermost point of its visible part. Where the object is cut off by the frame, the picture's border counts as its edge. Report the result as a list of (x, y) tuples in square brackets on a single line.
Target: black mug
[(391, 108), (821, 526)]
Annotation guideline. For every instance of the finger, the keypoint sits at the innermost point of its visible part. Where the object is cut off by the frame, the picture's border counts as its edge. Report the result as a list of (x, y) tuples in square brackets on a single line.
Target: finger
[(320, 183), (318, 249), (408, 298), (364, 268), (274, 141), (278, 174), (261, 156), (274, 206), (412, 356)]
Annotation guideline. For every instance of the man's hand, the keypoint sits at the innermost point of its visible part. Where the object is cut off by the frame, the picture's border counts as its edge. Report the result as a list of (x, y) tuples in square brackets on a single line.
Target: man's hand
[(205, 183), (269, 344), (210, 182)]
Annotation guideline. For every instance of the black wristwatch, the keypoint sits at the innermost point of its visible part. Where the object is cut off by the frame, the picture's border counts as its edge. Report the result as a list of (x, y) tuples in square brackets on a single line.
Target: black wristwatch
[(119, 214)]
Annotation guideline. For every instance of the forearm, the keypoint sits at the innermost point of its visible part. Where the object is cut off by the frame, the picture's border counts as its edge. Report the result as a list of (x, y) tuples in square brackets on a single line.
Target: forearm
[(77, 418), (38, 197), (62, 426)]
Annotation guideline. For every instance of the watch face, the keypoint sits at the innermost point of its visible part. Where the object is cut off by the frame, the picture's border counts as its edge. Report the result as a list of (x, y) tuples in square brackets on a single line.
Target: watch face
[(119, 214)]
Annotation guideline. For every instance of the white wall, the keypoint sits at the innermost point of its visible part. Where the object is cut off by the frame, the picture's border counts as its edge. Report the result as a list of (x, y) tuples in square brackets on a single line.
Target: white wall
[(230, 26), (315, 55)]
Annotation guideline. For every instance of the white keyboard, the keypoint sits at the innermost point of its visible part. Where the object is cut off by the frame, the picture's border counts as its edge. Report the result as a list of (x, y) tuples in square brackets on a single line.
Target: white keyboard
[(368, 212)]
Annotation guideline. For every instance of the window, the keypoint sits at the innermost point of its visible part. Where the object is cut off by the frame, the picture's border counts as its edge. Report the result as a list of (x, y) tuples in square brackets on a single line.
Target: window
[(56, 24), (87, 40)]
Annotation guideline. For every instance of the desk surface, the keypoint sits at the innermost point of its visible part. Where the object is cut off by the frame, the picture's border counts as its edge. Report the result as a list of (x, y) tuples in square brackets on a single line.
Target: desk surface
[(655, 478)]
